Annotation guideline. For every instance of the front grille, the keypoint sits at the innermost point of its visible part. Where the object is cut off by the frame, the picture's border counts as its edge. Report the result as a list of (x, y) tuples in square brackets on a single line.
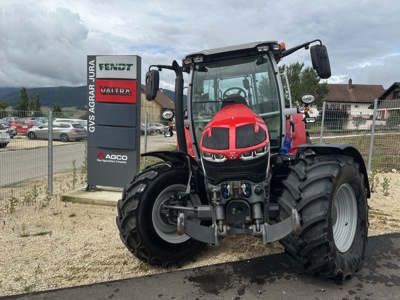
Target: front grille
[(254, 170), (219, 139), (247, 137)]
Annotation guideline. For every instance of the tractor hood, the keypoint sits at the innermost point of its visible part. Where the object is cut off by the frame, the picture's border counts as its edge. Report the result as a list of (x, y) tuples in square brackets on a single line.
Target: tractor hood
[(235, 132)]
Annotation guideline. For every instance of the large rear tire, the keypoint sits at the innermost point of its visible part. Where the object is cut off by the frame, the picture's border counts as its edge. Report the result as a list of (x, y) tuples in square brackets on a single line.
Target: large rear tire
[(147, 228), (331, 198)]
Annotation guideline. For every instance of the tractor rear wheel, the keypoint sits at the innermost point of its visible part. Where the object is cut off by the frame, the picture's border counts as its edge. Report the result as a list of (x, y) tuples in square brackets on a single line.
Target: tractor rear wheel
[(148, 228), (330, 195)]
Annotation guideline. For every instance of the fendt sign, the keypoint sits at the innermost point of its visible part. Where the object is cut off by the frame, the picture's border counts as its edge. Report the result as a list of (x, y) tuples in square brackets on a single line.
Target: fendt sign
[(116, 67), (113, 87)]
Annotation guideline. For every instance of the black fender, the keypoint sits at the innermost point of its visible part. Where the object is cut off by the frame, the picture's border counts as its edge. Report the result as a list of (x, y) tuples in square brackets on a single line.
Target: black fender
[(173, 156), (341, 149), (194, 168)]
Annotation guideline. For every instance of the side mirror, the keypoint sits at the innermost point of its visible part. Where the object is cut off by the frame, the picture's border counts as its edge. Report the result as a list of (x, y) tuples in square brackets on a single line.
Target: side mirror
[(167, 114), (152, 83), (320, 61), (307, 99)]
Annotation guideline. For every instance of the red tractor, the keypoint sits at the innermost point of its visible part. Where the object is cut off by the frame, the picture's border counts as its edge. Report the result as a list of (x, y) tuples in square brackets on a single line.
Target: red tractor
[(245, 166)]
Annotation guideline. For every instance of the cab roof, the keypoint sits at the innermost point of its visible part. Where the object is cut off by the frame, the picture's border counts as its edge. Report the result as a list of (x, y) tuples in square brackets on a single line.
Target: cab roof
[(234, 48)]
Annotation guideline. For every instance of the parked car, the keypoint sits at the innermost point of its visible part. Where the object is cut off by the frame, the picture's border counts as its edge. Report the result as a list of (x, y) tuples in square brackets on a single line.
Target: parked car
[(61, 131), (9, 119), (22, 125), (41, 119), (11, 130), (80, 121), (4, 137), (143, 128), (158, 127)]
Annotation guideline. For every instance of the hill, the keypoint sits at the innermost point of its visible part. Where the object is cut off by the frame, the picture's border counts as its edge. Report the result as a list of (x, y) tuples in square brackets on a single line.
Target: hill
[(49, 96), (171, 94), (63, 96)]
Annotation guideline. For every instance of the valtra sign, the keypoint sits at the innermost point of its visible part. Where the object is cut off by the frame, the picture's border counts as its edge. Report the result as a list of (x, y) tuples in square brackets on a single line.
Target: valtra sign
[(120, 91)]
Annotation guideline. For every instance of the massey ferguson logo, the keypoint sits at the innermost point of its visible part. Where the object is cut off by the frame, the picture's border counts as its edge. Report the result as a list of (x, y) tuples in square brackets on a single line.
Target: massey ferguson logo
[(105, 90), (112, 158)]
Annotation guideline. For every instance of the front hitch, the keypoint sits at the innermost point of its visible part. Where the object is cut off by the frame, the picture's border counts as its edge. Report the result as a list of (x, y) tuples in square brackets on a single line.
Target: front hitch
[(269, 233)]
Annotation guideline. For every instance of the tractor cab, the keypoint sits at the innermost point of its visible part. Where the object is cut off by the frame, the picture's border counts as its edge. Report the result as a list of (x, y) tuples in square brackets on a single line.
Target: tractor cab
[(243, 74), (246, 72)]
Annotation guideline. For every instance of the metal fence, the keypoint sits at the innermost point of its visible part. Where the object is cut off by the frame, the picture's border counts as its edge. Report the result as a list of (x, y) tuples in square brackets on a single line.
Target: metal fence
[(374, 132), (26, 163)]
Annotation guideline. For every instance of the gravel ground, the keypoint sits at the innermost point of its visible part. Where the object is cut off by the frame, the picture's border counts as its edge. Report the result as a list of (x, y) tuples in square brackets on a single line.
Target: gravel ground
[(48, 244)]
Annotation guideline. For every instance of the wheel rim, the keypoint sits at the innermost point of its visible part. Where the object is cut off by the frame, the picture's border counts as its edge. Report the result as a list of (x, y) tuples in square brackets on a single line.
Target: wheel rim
[(168, 230), (344, 218)]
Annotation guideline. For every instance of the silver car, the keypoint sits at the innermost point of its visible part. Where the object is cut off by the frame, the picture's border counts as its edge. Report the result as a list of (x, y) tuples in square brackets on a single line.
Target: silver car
[(11, 130), (61, 131), (4, 137), (157, 128), (80, 121)]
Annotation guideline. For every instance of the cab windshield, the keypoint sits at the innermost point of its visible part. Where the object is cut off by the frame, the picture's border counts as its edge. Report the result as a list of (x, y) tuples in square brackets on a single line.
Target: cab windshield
[(252, 78)]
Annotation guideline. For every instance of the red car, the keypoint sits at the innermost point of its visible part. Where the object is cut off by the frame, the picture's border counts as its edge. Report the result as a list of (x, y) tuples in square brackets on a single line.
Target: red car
[(22, 125)]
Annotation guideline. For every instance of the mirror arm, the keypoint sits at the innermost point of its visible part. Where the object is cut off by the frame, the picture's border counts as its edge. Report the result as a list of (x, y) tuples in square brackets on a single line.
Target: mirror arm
[(179, 120), (160, 67), (294, 49)]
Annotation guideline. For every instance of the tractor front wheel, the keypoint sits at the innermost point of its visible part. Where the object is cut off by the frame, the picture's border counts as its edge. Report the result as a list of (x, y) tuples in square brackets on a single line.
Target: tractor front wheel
[(146, 221), (330, 195)]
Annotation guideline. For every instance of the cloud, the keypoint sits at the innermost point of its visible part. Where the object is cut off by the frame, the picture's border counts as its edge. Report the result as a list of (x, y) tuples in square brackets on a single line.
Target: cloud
[(45, 42), (40, 46)]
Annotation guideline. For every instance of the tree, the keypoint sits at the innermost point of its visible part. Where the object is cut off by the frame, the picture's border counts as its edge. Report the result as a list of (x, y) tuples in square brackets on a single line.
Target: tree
[(84, 116), (34, 104), (358, 121), (57, 111), (22, 106), (3, 107), (394, 119), (303, 82)]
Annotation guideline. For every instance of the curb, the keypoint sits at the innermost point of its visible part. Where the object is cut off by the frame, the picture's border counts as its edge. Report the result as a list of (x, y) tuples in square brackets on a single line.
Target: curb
[(106, 196)]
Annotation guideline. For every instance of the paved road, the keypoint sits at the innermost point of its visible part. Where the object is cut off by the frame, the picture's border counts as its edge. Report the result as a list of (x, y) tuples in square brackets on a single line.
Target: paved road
[(24, 164), (268, 277)]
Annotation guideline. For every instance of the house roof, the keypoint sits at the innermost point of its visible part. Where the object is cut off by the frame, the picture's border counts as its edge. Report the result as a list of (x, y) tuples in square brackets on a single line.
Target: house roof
[(394, 87), (384, 102), (356, 93), (163, 100)]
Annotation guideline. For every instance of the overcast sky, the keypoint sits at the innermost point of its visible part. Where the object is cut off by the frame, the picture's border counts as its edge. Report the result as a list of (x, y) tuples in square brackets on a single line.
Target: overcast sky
[(45, 42)]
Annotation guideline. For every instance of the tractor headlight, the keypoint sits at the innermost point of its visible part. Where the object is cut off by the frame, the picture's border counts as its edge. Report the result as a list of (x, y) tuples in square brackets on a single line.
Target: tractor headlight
[(198, 59), (263, 48), (255, 153), (218, 157)]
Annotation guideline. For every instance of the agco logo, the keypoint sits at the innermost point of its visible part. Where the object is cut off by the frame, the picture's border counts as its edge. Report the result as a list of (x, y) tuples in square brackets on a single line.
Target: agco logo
[(112, 158), (115, 67)]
